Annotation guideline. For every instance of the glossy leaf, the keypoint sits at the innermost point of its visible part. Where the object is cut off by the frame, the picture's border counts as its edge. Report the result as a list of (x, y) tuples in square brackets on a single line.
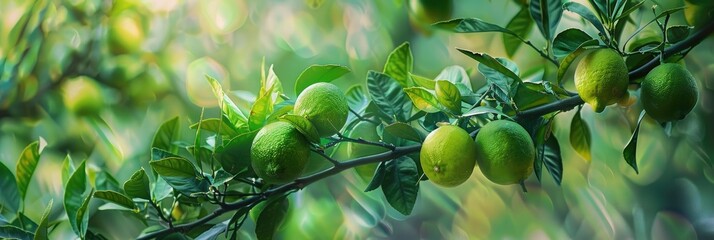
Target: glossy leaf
[(587, 14), (388, 96), (304, 126), (10, 195), (260, 110), (74, 196), (399, 64), (580, 137), (549, 153), (181, 174), (404, 131), (568, 41), (473, 25), (423, 81), (41, 231), (12, 232), (138, 185), (678, 33), (319, 73), (498, 65), (401, 184), (520, 25), (272, 216), (448, 95), (115, 197), (83, 215), (67, 168), (630, 152), (26, 165), (456, 75), (484, 110), (216, 125), (228, 107), (547, 14), (423, 99), (166, 135), (377, 179), (234, 156)]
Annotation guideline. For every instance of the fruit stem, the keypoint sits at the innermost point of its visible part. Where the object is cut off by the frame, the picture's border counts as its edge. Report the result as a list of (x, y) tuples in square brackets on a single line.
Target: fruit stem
[(523, 186)]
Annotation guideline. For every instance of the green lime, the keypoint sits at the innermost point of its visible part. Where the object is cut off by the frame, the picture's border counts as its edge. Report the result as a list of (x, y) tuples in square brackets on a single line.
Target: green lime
[(82, 96), (669, 92), (448, 156), (279, 153), (325, 105), (505, 152), (601, 78), (125, 34)]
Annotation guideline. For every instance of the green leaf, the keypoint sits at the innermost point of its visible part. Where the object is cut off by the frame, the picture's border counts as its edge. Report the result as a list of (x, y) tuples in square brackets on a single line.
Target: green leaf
[(160, 190), (520, 25), (216, 125), (484, 110), (24, 223), (502, 75), (138, 185), (588, 15), (473, 25), (498, 65), (319, 73), (272, 216), (423, 82), (67, 168), (423, 99), (527, 98), (12, 232), (356, 97), (260, 110), (448, 95), (627, 12), (41, 231), (388, 96), (9, 197), (549, 153), (570, 40), (677, 33), (630, 152), (26, 165), (377, 179), (568, 60), (83, 215), (547, 14), (180, 174), (235, 154), (166, 135), (115, 197), (456, 75), (74, 196), (228, 107), (271, 84), (401, 184), (403, 130), (580, 137), (304, 126), (399, 64)]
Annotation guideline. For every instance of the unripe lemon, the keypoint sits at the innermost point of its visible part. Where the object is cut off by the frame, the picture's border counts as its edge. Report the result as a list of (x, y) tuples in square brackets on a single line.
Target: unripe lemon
[(669, 92), (505, 152), (448, 156), (125, 33), (367, 131), (325, 106), (82, 96), (430, 11), (279, 152), (698, 12), (601, 78)]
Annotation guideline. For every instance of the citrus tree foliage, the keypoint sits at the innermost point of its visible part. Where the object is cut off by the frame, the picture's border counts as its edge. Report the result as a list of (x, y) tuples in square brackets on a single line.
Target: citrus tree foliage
[(182, 193)]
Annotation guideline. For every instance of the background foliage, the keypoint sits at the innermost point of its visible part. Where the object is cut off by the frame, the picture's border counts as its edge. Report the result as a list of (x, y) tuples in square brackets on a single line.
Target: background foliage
[(240, 43)]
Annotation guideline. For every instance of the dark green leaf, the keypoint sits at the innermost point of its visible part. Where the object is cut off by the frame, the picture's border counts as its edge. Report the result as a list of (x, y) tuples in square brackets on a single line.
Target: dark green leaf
[(547, 14), (499, 65), (26, 165), (570, 40), (41, 231), (399, 64), (318, 73), (431, 119), (74, 196), (423, 99), (580, 137), (9, 197), (181, 174), (526, 98), (356, 98), (228, 107), (304, 126), (403, 130), (401, 184), (280, 109), (271, 218), (115, 197), (388, 96), (473, 25), (448, 95), (550, 156), (12, 232), (161, 190), (23, 222), (104, 181), (587, 14), (83, 215), (520, 25), (216, 125), (632, 8), (235, 155), (213, 232), (138, 185), (158, 154), (484, 110), (678, 33), (166, 135), (630, 152), (377, 178)]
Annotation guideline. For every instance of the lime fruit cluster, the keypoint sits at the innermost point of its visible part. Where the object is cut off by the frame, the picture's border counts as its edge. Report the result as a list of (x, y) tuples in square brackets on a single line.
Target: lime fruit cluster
[(601, 78), (505, 152), (669, 92), (325, 106), (448, 156), (366, 131), (82, 96), (279, 152)]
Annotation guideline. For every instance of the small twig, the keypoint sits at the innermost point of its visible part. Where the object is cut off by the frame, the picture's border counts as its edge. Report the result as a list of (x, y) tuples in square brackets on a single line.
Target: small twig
[(161, 214), (344, 138), (362, 118), (322, 153)]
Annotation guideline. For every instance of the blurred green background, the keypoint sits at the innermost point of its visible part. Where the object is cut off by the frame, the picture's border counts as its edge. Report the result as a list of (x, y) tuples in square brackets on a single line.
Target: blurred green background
[(147, 59)]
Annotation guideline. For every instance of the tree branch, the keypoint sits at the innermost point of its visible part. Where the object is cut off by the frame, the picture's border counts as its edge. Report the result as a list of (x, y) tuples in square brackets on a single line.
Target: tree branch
[(561, 105)]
